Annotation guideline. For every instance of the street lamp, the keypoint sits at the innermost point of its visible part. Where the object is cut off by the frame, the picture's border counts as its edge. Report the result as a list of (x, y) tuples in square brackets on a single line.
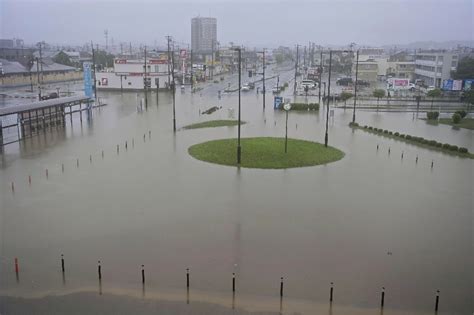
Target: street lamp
[(287, 108), (329, 97), (263, 73), (240, 87), (355, 88)]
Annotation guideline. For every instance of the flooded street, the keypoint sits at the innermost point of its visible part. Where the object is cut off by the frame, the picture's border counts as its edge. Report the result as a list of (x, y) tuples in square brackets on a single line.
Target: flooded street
[(368, 221)]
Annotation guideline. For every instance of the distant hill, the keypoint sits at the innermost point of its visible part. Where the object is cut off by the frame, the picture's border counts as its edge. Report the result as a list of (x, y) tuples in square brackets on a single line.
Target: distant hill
[(432, 45)]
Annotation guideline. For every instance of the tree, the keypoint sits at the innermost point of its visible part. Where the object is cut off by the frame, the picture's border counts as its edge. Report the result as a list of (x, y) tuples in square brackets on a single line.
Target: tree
[(456, 118), (63, 58), (378, 93), (103, 59), (345, 96), (434, 93), (465, 69), (468, 96)]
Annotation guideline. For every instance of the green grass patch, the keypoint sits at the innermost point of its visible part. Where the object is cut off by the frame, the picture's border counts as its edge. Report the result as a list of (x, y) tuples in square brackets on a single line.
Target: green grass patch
[(467, 123), (419, 141), (266, 153), (214, 123)]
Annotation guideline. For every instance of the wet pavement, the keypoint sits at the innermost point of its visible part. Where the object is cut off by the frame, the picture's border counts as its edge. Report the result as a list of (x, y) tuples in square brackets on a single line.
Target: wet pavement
[(368, 221)]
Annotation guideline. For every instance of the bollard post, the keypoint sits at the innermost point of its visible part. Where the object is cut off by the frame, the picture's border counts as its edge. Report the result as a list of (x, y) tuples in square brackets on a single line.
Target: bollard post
[(102, 154), (90, 158), (377, 146), (149, 134), (77, 163), (275, 123), (437, 301), (432, 162), (143, 274), (416, 160), (126, 145), (17, 268), (281, 286), (389, 151), (143, 137), (402, 155), (296, 126), (331, 292), (233, 282), (47, 175), (118, 149), (382, 298), (62, 263), (29, 179), (99, 270), (62, 167), (13, 187), (187, 278)]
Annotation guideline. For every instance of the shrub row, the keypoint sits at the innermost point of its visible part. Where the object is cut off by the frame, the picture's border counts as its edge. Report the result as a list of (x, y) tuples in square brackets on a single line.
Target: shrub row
[(303, 106), (421, 140), (432, 115)]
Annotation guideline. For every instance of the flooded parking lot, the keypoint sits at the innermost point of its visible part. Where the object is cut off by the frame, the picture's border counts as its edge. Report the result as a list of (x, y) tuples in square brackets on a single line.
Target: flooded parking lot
[(368, 221)]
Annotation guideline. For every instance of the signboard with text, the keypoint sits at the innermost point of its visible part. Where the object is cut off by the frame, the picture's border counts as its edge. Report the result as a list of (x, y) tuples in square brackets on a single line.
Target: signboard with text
[(468, 84), (278, 100), (87, 66), (457, 85), (448, 85)]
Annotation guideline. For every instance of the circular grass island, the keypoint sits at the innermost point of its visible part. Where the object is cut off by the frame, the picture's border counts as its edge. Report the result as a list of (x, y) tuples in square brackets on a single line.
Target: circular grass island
[(265, 153)]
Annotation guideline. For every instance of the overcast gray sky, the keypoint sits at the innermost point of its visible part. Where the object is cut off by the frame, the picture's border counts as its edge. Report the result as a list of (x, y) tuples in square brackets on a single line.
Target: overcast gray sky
[(254, 23)]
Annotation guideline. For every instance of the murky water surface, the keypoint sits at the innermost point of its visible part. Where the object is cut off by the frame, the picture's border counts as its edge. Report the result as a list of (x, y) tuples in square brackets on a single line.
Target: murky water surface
[(368, 221)]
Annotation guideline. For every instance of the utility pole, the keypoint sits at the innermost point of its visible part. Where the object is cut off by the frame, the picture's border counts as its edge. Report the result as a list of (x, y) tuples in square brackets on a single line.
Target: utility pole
[(145, 82), (264, 90), (41, 62), (130, 43), (239, 49), (94, 69), (168, 38), (38, 79), (320, 75), (296, 69), (212, 60), (192, 74), (173, 88), (355, 88), (329, 97)]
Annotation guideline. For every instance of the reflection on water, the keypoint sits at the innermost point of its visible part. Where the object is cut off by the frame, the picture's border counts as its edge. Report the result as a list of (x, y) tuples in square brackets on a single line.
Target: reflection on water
[(153, 204)]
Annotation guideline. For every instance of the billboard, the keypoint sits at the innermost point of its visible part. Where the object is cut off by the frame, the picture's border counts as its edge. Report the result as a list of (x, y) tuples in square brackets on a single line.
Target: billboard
[(401, 82), (448, 85), (278, 100), (457, 85), (87, 66), (468, 84)]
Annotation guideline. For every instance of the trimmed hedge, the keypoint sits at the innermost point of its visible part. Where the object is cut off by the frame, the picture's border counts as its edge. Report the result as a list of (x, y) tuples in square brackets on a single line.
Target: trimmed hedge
[(432, 115), (421, 140), (303, 106)]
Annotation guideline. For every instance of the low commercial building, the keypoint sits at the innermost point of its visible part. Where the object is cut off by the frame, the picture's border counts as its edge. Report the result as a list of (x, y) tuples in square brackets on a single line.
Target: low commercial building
[(435, 66), (367, 71), (129, 74), (13, 73)]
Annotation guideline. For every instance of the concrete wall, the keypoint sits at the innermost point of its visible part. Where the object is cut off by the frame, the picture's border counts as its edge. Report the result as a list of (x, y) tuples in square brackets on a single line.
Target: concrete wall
[(24, 79)]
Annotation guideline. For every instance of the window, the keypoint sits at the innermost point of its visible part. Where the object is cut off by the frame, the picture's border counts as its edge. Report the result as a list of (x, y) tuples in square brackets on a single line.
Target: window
[(129, 83)]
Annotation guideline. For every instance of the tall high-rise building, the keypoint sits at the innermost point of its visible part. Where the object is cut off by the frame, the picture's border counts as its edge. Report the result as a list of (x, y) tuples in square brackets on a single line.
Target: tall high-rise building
[(203, 34)]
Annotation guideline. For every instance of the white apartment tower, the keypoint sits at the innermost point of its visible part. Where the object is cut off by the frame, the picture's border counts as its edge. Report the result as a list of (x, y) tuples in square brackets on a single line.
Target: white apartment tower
[(203, 34)]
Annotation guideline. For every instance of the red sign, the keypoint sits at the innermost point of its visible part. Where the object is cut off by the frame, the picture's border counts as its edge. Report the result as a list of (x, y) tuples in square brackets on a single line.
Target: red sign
[(105, 81), (183, 53), (120, 61), (157, 61)]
